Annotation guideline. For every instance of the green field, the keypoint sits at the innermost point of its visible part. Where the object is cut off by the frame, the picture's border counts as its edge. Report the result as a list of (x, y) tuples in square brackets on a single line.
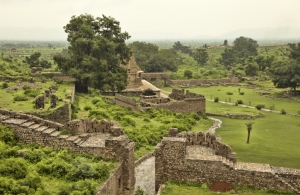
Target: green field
[(251, 97), (274, 139), (8, 102)]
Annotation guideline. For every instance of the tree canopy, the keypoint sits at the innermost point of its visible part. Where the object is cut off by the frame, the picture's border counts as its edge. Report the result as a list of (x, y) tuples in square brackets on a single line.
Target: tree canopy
[(243, 47), (179, 47), (34, 61), (97, 47), (201, 56), (150, 59), (287, 73)]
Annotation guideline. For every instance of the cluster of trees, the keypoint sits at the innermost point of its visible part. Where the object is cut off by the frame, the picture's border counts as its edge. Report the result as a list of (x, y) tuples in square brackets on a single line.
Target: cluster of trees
[(151, 59), (24, 169), (97, 47), (34, 61)]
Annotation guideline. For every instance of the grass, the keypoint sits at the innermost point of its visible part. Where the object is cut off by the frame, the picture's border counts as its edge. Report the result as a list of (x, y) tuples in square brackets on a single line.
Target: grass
[(176, 188), (7, 97), (251, 97), (274, 139)]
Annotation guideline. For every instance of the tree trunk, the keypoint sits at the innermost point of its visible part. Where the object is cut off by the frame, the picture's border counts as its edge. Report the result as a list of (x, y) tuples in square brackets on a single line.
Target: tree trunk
[(80, 87), (248, 139)]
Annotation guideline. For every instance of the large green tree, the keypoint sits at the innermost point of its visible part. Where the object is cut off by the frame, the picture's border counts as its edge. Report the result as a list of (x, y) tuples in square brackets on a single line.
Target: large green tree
[(97, 47), (245, 47), (287, 73), (150, 59), (179, 47), (201, 56), (33, 59)]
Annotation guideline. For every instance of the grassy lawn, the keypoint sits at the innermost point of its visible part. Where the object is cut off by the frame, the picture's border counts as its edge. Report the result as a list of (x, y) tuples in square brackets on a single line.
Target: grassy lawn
[(172, 188), (219, 108), (274, 139), (251, 97)]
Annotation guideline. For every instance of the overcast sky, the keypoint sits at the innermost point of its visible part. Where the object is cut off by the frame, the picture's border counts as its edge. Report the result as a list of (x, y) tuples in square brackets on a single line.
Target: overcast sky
[(163, 19)]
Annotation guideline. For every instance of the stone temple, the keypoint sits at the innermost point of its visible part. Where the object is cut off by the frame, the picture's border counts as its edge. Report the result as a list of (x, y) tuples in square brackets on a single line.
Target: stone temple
[(135, 84)]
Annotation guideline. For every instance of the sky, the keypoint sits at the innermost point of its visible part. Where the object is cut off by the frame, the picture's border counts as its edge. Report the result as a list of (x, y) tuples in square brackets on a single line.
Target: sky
[(155, 19)]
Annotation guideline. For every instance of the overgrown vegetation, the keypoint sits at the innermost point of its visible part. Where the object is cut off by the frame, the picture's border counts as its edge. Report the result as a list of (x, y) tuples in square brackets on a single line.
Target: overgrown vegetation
[(31, 169), (146, 129)]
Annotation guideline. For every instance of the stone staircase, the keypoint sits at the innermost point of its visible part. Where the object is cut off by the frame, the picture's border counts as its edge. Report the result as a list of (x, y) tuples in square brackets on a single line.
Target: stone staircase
[(292, 187), (40, 127)]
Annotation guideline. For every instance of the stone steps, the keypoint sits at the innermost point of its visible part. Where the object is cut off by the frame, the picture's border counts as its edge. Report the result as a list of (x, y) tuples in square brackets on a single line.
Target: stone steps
[(292, 187)]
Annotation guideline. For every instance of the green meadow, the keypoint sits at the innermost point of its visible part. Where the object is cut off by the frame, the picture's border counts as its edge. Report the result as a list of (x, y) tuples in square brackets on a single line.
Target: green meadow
[(9, 97)]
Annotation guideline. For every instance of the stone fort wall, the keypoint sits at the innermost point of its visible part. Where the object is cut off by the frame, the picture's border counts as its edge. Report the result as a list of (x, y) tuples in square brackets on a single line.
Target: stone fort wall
[(105, 143), (179, 159), (184, 102)]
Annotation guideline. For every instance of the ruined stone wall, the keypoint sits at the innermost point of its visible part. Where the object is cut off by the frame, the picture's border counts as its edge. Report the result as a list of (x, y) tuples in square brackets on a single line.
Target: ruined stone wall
[(113, 184), (157, 76), (126, 102), (156, 100), (31, 129), (179, 159), (200, 82), (131, 101), (237, 116), (61, 114), (187, 105), (14, 79), (290, 175)]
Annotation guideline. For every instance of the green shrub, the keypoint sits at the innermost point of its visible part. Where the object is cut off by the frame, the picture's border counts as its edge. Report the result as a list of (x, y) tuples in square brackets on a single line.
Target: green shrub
[(229, 93), (95, 100), (239, 102), (4, 85), (259, 106), (25, 87), (242, 93), (20, 97), (216, 99), (146, 119), (282, 111), (31, 92), (86, 108)]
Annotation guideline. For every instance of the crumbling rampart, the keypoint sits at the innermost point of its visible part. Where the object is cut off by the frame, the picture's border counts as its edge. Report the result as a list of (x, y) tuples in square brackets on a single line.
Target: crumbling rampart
[(105, 143), (204, 158), (182, 102), (126, 101)]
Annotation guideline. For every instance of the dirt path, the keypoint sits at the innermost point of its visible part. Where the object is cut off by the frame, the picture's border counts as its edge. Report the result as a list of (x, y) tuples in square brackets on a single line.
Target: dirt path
[(217, 124), (145, 176)]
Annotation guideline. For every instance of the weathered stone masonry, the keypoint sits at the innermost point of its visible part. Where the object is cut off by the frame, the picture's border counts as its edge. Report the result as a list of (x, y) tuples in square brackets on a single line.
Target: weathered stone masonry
[(106, 141), (186, 157), (182, 102)]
